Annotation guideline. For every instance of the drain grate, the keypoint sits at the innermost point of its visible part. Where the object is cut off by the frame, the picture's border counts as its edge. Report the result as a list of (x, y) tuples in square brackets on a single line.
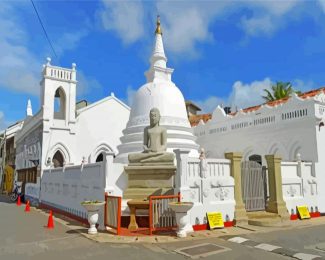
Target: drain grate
[(201, 250)]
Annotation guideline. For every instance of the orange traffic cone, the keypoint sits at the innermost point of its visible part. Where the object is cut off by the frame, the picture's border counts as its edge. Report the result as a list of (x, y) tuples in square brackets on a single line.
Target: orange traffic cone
[(18, 201), (27, 208), (50, 223)]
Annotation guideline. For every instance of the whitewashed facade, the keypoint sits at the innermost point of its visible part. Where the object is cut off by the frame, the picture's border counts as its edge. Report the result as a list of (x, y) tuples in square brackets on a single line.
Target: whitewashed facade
[(79, 136), (291, 128)]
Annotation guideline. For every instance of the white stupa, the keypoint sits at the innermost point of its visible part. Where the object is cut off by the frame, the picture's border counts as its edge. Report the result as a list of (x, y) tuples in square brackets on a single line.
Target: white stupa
[(162, 93)]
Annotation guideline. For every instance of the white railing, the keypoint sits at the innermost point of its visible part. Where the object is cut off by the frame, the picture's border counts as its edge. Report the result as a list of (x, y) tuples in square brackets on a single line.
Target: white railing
[(299, 185), (207, 183), (60, 73)]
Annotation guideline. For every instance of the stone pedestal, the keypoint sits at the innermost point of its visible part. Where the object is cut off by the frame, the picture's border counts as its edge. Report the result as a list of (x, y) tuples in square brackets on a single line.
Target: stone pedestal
[(276, 203), (235, 172), (146, 180)]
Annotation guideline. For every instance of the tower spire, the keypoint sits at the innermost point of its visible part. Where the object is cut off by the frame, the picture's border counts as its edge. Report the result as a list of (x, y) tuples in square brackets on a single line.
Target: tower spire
[(158, 28), (158, 62), (29, 110)]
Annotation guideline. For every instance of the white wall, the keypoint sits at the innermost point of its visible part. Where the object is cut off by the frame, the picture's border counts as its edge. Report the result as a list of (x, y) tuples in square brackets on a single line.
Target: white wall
[(99, 127), (264, 131), (65, 188), (208, 184), (299, 186)]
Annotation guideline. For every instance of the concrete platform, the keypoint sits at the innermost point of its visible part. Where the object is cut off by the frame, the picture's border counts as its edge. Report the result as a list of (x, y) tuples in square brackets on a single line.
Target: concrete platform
[(266, 219)]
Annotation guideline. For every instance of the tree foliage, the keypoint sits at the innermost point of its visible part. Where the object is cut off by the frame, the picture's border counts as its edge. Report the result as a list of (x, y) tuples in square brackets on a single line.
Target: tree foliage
[(279, 90)]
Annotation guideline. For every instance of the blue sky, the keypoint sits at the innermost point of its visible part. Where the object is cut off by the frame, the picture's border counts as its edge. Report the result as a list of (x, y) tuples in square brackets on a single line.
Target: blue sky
[(223, 52)]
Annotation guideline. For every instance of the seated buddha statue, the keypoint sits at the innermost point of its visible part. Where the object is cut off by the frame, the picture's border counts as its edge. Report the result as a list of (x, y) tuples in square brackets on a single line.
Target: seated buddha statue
[(154, 143)]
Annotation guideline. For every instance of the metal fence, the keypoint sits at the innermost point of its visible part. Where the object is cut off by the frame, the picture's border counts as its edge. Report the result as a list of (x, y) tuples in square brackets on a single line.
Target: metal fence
[(161, 216), (253, 185), (113, 212)]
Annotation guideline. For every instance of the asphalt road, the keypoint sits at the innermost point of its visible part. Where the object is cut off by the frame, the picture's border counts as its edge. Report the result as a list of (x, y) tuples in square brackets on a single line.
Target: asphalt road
[(23, 236)]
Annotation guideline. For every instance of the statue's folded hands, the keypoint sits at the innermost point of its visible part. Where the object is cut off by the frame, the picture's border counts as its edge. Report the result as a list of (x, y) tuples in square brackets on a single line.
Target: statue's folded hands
[(154, 143)]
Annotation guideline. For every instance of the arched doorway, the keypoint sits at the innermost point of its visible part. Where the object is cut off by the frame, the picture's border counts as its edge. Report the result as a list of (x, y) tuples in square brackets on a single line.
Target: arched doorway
[(58, 159), (255, 158), (254, 183), (100, 157)]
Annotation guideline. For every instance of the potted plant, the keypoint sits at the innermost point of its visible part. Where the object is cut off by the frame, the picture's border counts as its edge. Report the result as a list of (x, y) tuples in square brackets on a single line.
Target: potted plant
[(92, 207), (182, 217)]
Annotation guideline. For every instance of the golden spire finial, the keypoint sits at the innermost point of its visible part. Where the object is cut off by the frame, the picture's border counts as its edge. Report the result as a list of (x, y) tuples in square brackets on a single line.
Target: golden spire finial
[(158, 28)]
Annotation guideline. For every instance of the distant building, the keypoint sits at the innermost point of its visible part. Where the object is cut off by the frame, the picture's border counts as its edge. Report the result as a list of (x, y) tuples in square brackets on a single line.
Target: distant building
[(8, 156), (191, 108)]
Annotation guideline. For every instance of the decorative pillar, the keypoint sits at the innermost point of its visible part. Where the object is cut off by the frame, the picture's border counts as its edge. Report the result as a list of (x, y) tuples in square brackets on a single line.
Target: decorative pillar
[(276, 203), (107, 162), (181, 184), (235, 172), (106, 170)]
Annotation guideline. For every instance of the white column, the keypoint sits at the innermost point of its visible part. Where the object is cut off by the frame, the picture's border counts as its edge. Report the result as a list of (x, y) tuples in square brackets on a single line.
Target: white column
[(181, 184)]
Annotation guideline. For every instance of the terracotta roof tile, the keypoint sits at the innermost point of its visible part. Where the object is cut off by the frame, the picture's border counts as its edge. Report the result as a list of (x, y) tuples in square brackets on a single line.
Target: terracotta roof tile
[(304, 95), (194, 120)]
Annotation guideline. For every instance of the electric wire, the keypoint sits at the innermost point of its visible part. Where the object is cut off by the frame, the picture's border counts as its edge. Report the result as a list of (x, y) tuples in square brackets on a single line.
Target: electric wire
[(46, 35)]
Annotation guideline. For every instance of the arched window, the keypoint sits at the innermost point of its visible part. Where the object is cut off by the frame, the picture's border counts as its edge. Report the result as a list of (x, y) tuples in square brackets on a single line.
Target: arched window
[(58, 159), (59, 104), (100, 158)]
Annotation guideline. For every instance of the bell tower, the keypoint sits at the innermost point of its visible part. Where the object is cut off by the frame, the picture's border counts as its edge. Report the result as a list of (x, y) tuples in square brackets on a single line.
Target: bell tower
[(58, 97)]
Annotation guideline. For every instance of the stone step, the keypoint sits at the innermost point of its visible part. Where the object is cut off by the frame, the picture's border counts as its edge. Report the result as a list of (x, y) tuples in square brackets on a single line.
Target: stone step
[(267, 219)]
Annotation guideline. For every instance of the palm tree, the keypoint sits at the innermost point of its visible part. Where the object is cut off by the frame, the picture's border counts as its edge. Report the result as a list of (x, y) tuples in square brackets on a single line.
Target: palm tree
[(279, 90)]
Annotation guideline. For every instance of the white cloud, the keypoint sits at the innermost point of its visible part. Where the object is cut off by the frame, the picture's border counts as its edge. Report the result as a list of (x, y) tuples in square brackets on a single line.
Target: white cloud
[(125, 18), (209, 104), (130, 92), (20, 68), (69, 41), (245, 95), (3, 124), (259, 25), (242, 95), (275, 7), (267, 17), (186, 23), (322, 4), (303, 86), (86, 84)]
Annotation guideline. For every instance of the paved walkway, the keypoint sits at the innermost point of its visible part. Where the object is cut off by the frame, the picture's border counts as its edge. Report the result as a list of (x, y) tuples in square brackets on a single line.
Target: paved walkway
[(24, 236)]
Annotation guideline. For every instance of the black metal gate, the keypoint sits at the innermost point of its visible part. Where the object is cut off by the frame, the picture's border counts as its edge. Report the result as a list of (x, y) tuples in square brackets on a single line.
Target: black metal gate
[(253, 185)]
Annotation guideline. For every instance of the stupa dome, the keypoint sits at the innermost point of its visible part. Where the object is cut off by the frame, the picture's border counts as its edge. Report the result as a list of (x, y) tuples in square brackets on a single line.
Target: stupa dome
[(162, 93)]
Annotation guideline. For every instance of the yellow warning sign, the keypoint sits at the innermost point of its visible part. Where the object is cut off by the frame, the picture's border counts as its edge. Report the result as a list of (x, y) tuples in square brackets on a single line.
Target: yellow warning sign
[(303, 212), (215, 220)]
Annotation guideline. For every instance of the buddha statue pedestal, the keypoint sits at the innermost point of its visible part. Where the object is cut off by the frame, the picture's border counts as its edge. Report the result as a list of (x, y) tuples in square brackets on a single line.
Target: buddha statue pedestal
[(149, 179), (150, 172)]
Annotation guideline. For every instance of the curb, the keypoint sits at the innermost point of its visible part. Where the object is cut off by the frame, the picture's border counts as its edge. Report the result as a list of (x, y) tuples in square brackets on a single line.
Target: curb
[(274, 249)]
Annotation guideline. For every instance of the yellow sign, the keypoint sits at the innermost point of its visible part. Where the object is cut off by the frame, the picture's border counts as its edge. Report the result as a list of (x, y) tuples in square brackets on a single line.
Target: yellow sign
[(303, 212), (215, 220)]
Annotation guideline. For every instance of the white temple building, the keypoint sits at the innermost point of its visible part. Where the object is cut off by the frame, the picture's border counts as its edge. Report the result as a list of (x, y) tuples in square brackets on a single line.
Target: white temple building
[(59, 134), (292, 128), (162, 93), (69, 154)]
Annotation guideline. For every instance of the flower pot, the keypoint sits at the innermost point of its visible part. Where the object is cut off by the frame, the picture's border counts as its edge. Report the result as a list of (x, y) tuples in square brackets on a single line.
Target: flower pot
[(92, 209), (182, 217)]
